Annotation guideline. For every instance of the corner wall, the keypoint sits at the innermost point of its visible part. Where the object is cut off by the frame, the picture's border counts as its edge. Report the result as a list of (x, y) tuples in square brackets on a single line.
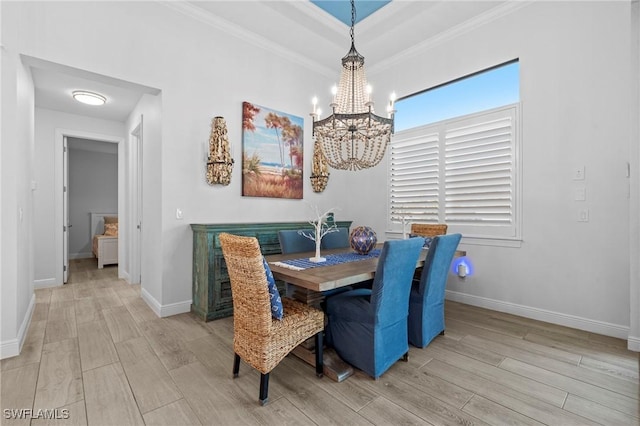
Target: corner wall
[(202, 72), (16, 284), (575, 100)]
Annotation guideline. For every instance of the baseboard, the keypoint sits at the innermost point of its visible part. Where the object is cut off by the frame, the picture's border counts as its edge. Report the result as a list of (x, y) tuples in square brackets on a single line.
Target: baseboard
[(13, 347), (598, 327), (633, 343), (85, 255), (165, 310), (46, 283)]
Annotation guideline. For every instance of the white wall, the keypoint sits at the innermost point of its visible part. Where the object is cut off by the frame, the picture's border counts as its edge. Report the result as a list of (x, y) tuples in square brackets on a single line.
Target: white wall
[(48, 176), (201, 72), (150, 109), (93, 188), (16, 285), (574, 113), (575, 79), (634, 151)]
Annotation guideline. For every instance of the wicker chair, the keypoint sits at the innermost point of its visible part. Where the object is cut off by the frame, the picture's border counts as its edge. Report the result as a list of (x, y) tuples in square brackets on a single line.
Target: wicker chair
[(429, 229), (261, 341)]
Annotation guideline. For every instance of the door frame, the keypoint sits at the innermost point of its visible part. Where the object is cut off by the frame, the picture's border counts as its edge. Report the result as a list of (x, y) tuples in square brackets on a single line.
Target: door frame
[(59, 166), (135, 207)]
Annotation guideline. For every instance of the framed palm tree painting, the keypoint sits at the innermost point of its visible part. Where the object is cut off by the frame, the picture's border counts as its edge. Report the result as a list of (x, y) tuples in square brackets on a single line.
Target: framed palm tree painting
[(272, 154)]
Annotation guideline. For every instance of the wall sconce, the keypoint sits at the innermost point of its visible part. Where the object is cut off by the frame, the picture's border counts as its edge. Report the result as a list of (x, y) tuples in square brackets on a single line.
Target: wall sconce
[(219, 159), (319, 169)]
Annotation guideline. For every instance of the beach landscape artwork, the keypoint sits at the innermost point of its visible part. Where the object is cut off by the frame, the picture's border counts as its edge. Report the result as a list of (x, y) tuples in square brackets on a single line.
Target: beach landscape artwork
[(272, 157)]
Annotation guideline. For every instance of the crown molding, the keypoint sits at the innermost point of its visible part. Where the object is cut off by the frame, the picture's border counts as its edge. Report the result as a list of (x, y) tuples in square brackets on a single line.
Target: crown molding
[(330, 21), (476, 22), (246, 35)]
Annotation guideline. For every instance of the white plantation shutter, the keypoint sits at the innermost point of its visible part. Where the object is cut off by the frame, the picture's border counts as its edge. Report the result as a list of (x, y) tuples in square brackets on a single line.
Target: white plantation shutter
[(414, 182), (461, 172)]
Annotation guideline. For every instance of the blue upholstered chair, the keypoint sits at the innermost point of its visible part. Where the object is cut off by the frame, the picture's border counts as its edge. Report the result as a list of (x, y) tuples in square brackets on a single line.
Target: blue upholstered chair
[(368, 327), (426, 303), (335, 240), (292, 242)]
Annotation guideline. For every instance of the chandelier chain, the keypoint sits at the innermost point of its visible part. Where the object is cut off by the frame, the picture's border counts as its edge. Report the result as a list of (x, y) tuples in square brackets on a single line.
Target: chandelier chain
[(353, 20)]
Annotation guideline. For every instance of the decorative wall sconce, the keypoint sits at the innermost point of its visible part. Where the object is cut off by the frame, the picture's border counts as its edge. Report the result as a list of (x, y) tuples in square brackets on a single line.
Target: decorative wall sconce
[(319, 169), (219, 159)]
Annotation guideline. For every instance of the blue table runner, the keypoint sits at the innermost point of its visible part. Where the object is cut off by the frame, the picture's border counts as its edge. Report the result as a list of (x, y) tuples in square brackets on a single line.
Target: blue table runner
[(332, 259)]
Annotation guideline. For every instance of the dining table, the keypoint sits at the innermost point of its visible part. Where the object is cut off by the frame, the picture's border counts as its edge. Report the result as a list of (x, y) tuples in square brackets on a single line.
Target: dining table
[(343, 267)]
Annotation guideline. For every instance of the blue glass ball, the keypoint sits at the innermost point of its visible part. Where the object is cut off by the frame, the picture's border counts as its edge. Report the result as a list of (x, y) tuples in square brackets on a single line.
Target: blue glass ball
[(363, 239)]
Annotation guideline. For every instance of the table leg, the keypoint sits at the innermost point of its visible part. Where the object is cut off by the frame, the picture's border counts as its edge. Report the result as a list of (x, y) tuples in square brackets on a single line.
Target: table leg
[(334, 367)]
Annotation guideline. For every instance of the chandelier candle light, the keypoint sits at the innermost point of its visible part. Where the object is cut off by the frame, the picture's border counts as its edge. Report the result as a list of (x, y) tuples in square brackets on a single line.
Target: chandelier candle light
[(353, 137)]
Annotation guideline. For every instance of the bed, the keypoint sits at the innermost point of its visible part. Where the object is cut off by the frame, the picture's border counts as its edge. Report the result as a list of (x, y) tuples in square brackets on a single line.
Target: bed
[(104, 229)]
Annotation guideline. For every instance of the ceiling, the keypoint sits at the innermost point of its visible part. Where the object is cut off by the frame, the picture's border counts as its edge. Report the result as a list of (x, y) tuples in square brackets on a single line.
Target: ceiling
[(341, 10), (297, 30)]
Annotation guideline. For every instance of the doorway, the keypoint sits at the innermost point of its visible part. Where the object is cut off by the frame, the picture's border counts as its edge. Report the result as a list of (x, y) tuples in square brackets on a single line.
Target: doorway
[(91, 195), (61, 152)]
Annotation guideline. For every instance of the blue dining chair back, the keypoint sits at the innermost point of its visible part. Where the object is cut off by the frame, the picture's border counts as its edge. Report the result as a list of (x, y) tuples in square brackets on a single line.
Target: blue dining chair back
[(292, 242), (368, 327), (337, 239), (426, 303)]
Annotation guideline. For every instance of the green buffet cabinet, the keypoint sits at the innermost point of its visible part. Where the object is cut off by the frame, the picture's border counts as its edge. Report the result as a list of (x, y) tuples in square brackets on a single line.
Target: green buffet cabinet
[(211, 288)]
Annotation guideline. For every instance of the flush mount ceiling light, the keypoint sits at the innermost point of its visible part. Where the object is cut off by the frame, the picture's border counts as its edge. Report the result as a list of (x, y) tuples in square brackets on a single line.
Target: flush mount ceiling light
[(353, 137), (89, 98)]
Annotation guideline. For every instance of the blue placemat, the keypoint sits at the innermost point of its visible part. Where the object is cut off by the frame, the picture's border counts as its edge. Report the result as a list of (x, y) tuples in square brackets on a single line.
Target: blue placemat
[(332, 259)]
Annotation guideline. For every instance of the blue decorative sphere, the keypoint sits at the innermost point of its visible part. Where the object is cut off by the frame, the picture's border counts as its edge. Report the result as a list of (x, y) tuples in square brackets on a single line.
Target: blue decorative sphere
[(363, 239)]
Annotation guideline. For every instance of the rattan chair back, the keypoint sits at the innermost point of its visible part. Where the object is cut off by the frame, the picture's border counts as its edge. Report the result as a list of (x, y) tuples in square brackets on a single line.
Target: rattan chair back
[(251, 305), (259, 339), (429, 229)]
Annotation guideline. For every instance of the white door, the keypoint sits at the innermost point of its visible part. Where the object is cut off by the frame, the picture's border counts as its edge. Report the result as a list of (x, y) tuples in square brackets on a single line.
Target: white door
[(65, 210)]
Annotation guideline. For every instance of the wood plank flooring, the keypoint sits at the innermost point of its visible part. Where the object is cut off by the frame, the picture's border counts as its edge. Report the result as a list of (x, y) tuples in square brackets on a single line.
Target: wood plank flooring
[(98, 354)]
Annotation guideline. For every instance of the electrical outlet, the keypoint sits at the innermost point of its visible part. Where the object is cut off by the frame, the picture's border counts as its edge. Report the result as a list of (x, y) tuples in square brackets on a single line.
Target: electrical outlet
[(583, 215), (580, 194)]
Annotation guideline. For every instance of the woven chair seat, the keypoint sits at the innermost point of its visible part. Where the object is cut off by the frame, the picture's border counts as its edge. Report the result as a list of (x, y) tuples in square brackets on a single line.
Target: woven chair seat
[(264, 352)]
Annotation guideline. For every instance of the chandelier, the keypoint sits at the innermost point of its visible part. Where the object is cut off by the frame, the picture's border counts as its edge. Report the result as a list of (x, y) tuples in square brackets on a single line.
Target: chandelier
[(352, 137)]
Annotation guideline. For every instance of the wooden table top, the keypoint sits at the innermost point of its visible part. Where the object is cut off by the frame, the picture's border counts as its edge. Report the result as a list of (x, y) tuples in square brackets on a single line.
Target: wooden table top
[(322, 278)]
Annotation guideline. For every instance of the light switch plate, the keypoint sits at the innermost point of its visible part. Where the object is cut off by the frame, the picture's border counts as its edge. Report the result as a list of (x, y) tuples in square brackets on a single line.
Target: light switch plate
[(578, 173), (580, 194)]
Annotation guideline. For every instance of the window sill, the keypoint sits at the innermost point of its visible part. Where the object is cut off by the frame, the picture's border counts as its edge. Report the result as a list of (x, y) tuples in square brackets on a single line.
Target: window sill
[(473, 241)]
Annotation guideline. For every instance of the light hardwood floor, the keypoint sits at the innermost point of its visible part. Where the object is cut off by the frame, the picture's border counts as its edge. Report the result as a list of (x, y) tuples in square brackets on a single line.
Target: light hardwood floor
[(96, 350)]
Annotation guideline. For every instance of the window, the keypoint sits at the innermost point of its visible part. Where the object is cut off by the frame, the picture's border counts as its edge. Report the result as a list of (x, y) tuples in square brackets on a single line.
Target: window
[(455, 156), (492, 88), (461, 171)]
